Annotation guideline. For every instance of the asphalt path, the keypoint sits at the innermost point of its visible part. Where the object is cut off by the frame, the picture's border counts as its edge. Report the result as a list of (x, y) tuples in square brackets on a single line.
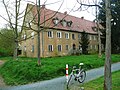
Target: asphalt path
[(60, 83)]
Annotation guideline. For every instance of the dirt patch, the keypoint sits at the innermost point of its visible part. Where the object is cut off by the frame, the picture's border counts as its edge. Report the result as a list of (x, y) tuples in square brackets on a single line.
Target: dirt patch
[(2, 83), (1, 62)]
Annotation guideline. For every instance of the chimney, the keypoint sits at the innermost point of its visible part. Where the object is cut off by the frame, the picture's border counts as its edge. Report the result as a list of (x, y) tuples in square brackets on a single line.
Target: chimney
[(43, 6), (65, 12), (82, 17)]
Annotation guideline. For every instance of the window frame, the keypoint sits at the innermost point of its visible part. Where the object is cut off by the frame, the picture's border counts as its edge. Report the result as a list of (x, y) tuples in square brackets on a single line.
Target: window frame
[(32, 50), (66, 35), (73, 36), (67, 47), (59, 34), (79, 36), (59, 48), (50, 34), (50, 48)]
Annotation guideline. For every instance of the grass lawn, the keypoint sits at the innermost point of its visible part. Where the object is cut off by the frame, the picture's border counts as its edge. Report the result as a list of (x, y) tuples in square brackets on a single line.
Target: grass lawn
[(26, 70), (98, 83)]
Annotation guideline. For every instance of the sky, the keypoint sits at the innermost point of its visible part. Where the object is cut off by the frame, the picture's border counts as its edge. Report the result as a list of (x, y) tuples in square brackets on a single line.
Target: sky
[(70, 6)]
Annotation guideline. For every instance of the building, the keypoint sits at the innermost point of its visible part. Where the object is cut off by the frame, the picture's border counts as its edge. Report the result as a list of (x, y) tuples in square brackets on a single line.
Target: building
[(60, 33)]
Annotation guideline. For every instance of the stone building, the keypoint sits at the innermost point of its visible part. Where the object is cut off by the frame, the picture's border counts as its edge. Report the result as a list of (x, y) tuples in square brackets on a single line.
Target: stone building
[(60, 33)]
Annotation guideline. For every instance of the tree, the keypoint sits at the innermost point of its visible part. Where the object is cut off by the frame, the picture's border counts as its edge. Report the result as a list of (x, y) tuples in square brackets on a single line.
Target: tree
[(14, 16), (107, 71), (115, 19), (40, 25), (84, 42), (6, 42)]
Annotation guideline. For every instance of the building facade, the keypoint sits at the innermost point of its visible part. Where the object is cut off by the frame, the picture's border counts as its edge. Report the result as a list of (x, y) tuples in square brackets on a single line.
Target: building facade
[(60, 33)]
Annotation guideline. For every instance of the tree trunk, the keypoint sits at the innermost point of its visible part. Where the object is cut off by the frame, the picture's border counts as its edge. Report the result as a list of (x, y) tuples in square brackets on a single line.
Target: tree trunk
[(38, 32), (107, 71), (99, 40), (15, 51), (16, 32), (39, 63)]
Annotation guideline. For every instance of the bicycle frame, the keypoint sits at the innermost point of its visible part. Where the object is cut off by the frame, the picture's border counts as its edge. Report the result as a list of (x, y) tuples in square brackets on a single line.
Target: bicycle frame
[(78, 73)]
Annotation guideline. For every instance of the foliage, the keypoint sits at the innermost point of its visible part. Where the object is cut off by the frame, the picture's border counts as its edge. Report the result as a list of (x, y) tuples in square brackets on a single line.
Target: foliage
[(26, 70), (98, 83), (115, 25), (74, 52), (6, 42), (84, 42)]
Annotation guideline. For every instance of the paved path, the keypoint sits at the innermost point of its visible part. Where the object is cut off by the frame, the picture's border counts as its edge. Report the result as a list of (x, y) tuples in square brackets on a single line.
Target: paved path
[(60, 83)]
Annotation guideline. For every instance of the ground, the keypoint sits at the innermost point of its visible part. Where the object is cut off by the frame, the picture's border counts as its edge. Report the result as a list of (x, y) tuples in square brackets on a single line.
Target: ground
[(1, 79)]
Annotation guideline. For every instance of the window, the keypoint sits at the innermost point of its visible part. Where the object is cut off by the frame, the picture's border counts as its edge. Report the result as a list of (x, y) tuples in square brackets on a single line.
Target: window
[(74, 47), (64, 23), (32, 34), (55, 21), (50, 34), (73, 36), (67, 35), (59, 48), (50, 48), (67, 47), (59, 34), (79, 36), (24, 48), (91, 47), (69, 23), (90, 37), (95, 47), (32, 49), (94, 37), (24, 36)]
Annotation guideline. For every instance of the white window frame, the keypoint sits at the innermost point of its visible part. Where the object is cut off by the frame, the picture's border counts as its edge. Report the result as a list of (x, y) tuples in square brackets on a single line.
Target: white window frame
[(90, 37), (67, 35), (95, 47), (24, 36), (91, 46), (50, 35), (94, 37), (32, 34), (25, 48), (59, 34), (32, 50), (50, 48)]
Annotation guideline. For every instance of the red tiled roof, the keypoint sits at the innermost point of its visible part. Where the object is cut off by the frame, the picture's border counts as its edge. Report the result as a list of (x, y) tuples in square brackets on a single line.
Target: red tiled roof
[(79, 24)]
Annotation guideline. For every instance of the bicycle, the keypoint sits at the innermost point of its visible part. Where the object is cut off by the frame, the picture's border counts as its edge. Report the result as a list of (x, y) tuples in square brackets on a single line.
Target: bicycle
[(78, 73)]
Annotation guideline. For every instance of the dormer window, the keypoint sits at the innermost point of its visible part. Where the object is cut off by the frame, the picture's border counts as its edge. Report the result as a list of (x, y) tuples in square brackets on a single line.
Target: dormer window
[(55, 21), (69, 23), (94, 29), (64, 22)]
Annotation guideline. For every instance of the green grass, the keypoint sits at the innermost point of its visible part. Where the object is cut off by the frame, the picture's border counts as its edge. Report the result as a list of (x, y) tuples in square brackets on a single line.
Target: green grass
[(25, 70), (97, 84)]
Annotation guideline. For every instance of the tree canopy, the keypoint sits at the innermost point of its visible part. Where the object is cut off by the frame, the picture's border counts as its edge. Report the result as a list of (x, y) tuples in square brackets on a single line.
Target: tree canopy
[(115, 25), (6, 42), (84, 42)]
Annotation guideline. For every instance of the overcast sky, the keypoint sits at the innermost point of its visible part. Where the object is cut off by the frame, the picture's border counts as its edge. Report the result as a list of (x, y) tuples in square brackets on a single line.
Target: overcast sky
[(68, 5)]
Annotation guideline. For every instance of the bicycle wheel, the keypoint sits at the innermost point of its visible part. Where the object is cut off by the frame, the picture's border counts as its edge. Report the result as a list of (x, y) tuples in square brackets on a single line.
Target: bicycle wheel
[(82, 76), (69, 81)]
